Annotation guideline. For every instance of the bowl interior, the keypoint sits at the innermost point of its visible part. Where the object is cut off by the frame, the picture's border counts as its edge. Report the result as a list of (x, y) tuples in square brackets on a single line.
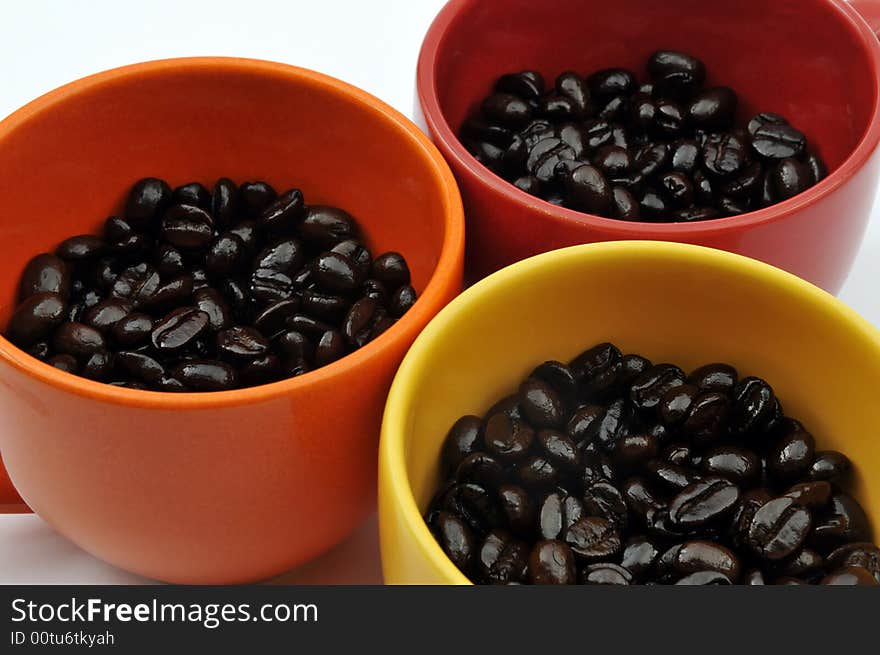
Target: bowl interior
[(669, 302), (68, 160), (803, 59)]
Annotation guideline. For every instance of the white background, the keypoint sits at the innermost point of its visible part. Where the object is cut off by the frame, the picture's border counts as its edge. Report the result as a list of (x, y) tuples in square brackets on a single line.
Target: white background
[(370, 43)]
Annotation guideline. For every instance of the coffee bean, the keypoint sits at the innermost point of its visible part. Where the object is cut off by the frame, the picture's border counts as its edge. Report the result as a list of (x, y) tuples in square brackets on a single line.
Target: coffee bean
[(242, 342), (848, 576), (778, 141), (107, 313), (502, 559), (791, 456), (739, 465), (676, 72), (676, 403), (753, 407), (205, 375), (518, 508), (507, 437), (702, 502), (713, 109), (558, 513), (526, 84), (141, 366), (179, 329), (132, 330), (224, 201), (639, 556), (714, 377), (861, 554), (254, 197), (541, 404), (702, 578), (456, 539), (603, 499), (193, 193), (724, 155), (650, 387), (66, 363), (77, 339), (552, 562), (779, 528), (605, 573), (537, 472), (829, 465), (146, 202), (98, 366), (173, 293), (593, 538), (506, 109), (789, 178), (284, 212), (844, 520), (81, 248), (187, 227), (694, 556), (136, 284), (225, 255)]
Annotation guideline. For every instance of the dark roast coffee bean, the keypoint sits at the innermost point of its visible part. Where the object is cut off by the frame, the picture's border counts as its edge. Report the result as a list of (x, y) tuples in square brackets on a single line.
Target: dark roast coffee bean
[(624, 205), (862, 554), (391, 270), (357, 252), (136, 284), (702, 502), (636, 448), (552, 562), (595, 467), (187, 227), (738, 465), (241, 342), (481, 469), (224, 201), (812, 495), (537, 472), (77, 339), (330, 346), (173, 293), (778, 141), (558, 513), (611, 82), (107, 314), (639, 498), (702, 578), (668, 119), (518, 508), (707, 417), (765, 118), (325, 227), (456, 539), (789, 178), (817, 167), (284, 212), (695, 556), (179, 329), (528, 183), (724, 155), (714, 377), (559, 449), (753, 407), (463, 439), (639, 556), (844, 520), (593, 538), (194, 194), (676, 404), (254, 197), (132, 330), (779, 528), (66, 363), (580, 426), (676, 72), (146, 202), (215, 306), (205, 375), (848, 576), (45, 274), (603, 499), (117, 229), (649, 388), (791, 456), (141, 366), (557, 108), (508, 110), (526, 84), (225, 255), (713, 109), (574, 87), (541, 405), (98, 366), (605, 573), (296, 346), (672, 476), (270, 286), (325, 306), (261, 370), (545, 156), (502, 559), (359, 321), (588, 190), (307, 325), (507, 437), (829, 465), (81, 248), (402, 301)]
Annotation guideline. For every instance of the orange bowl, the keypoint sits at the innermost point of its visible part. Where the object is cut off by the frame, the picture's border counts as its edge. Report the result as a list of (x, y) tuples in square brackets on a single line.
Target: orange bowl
[(230, 486)]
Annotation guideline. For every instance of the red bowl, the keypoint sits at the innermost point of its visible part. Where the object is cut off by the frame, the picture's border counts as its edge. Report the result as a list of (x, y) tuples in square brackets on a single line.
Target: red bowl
[(815, 61)]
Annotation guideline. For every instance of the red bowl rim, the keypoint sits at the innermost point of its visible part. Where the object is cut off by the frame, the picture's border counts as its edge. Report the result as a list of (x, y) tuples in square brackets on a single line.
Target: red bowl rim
[(431, 300), (462, 160)]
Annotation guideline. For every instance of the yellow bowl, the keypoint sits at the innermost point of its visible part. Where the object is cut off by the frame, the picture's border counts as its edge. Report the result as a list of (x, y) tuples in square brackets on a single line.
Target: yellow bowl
[(670, 302)]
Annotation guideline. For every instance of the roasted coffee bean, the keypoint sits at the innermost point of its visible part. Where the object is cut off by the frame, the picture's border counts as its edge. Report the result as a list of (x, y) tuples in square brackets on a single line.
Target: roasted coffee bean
[(502, 559), (187, 227), (753, 407), (778, 141), (215, 306), (844, 520), (147, 200), (817, 167), (676, 72), (107, 313), (862, 554), (779, 528), (464, 438), (98, 366), (537, 472), (541, 405), (557, 108), (595, 467), (714, 377), (695, 556), (636, 448), (136, 284), (707, 417), (307, 325), (77, 339), (545, 156), (117, 229), (295, 346), (66, 363), (676, 404), (804, 562), (609, 426), (242, 342), (508, 110), (132, 330), (507, 437), (764, 118), (580, 425), (738, 465), (611, 82), (81, 248), (254, 197), (624, 205), (518, 508), (702, 578), (702, 502), (205, 375), (848, 576), (812, 495), (359, 321), (552, 562), (559, 449), (724, 155), (526, 84), (639, 556), (224, 201), (605, 500), (713, 109), (391, 270), (225, 255), (789, 178), (270, 286), (559, 377), (260, 370), (593, 538), (173, 293), (588, 190), (829, 465), (791, 456), (456, 539), (284, 212), (651, 386), (194, 194), (669, 475), (45, 274), (558, 513), (140, 366), (639, 498), (475, 505), (574, 87), (178, 329), (330, 346)]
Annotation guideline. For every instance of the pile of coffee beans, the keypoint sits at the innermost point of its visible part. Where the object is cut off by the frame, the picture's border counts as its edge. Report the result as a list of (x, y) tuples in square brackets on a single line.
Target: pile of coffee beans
[(668, 150), (193, 289), (614, 470)]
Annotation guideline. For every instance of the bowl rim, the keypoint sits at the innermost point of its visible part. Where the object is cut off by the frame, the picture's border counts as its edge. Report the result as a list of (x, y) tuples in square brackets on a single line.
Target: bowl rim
[(466, 164), (432, 297), (393, 474)]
